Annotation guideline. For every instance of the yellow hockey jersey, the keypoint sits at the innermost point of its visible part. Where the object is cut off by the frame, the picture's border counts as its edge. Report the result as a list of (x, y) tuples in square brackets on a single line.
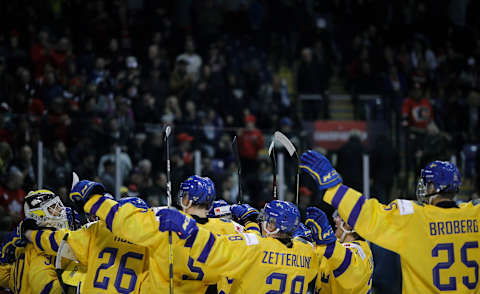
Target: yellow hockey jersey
[(114, 264), (141, 227), (5, 270), (438, 247), (258, 265), (348, 275), (33, 272)]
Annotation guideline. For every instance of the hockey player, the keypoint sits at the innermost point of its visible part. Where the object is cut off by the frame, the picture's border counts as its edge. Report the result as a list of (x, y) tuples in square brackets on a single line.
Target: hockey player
[(437, 241), (114, 264), (352, 272), (33, 271), (196, 197), (272, 263), (275, 262), (141, 227)]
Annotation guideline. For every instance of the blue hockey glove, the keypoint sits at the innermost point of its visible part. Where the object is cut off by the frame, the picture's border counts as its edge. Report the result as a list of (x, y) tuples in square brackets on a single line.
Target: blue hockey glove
[(15, 239), (320, 168), (175, 221), (317, 221), (303, 232), (7, 254), (244, 213), (84, 189), (219, 208)]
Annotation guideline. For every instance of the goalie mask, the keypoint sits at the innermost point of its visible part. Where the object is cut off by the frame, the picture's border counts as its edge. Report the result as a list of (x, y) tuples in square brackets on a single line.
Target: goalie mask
[(46, 209), (444, 176)]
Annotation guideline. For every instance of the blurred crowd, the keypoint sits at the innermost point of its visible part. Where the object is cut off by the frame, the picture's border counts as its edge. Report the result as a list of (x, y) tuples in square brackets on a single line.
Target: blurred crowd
[(85, 77)]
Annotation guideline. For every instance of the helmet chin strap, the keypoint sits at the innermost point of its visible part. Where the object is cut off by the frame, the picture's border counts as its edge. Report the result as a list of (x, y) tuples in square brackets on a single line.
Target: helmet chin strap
[(267, 232), (345, 232), (185, 207), (431, 197)]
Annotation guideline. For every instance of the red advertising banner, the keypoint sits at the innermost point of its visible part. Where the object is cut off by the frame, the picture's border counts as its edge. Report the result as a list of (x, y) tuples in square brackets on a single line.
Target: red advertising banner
[(333, 134)]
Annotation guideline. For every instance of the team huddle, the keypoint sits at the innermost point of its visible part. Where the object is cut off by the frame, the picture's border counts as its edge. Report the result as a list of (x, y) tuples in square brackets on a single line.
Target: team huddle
[(125, 246)]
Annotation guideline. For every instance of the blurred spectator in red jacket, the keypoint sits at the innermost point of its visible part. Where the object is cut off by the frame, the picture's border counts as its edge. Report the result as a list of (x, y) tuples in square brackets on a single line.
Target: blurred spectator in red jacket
[(11, 198), (250, 142), (416, 110)]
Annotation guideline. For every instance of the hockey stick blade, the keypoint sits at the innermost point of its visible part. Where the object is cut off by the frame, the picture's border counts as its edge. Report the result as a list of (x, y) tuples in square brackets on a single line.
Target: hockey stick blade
[(168, 130), (280, 137), (75, 179)]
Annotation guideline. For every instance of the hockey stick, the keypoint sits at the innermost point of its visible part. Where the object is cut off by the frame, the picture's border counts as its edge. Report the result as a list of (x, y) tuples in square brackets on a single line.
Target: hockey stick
[(169, 203), (58, 263), (271, 154), (239, 168), (291, 150), (79, 208)]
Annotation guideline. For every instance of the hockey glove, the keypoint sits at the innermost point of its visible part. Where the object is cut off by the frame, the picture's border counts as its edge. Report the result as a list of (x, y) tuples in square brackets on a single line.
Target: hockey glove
[(220, 208), (15, 239), (303, 232), (175, 221), (244, 213), (317, 221), (84, 189), (320, 168)]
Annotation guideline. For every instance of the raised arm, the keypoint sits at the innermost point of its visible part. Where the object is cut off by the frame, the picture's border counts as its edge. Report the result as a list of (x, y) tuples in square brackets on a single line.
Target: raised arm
[(349, 264), (383, 225)]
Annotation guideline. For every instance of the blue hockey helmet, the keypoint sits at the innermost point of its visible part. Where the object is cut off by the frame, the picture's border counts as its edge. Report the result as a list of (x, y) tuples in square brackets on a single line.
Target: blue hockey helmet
[(210, 187), (135, 201), (444, 176), (284, 215), (197, 189)]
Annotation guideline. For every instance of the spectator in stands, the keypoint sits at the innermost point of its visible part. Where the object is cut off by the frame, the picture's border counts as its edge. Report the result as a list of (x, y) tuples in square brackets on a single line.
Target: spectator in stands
[(311, 79), (250, 142), (192, 59), (349, 162), (11, 199), (184, 150), (23, 162), (124, 160), (417, 114), (58, 168), (107, 177), (156, 194), (384, 166)]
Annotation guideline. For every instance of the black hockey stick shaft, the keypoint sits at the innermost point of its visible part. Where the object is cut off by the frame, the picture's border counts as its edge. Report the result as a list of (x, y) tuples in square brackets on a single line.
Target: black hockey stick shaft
[(271, 154), (58, 265), (169, 203), (239, 168)]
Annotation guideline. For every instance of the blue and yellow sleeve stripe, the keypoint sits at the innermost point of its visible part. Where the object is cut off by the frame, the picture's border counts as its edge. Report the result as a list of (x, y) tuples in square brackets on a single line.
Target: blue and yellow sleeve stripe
[(252, 227), (348, 202), (338, 257), (48, 241), (103, 207)]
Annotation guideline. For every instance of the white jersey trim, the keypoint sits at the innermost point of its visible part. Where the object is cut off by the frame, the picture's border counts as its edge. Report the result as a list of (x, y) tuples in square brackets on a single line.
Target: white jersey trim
[(358, 247)]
